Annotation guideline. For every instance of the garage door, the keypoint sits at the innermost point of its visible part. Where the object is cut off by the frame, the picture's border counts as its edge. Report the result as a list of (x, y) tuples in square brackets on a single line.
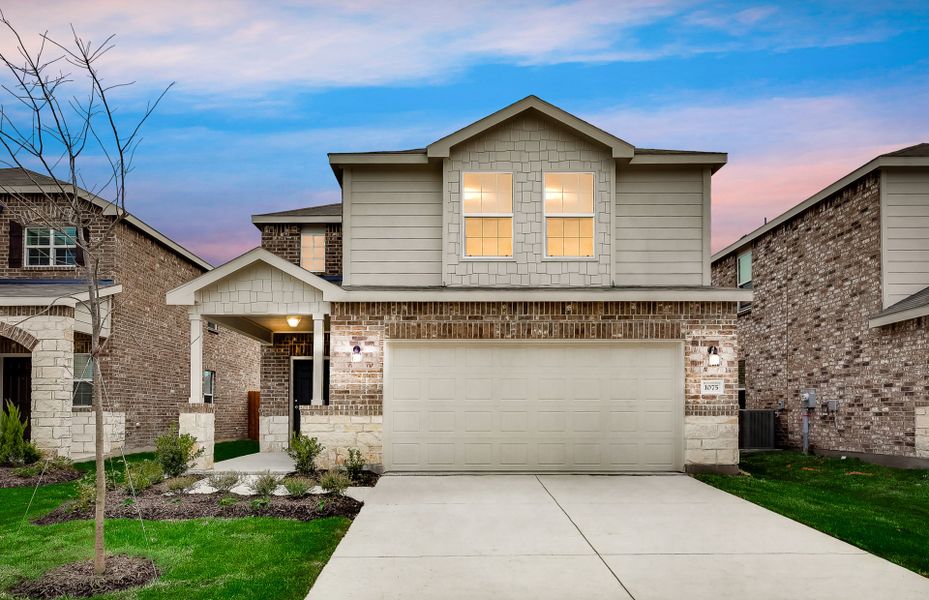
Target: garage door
[(497, 406)]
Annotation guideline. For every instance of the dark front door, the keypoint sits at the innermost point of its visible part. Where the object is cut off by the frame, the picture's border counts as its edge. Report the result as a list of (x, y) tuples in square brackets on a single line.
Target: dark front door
[(17, 384), (303, 388)]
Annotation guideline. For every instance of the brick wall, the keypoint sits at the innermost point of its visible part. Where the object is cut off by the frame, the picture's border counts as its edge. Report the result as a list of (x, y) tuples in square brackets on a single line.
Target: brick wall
[(275, 370), (284, 241), (817, 280)]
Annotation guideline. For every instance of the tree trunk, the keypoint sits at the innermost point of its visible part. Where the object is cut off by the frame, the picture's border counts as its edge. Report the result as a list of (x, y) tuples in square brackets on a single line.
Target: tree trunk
[(96, 324)]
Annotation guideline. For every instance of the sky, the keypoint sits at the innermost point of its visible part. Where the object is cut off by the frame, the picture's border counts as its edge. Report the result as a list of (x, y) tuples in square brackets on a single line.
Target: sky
[(797, 93)]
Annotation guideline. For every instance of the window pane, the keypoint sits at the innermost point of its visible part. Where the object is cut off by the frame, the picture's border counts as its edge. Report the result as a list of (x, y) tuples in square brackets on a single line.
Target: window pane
[(569, 193), (313, 251), (65, 256), (744, 268), (83, 394), (488, 236), (487, 193), (570, 236), (38, 257), (83, 366), (37, 236), (66, 237)]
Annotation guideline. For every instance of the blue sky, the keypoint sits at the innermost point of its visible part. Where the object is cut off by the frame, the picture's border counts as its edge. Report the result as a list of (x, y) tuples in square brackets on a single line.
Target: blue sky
[(798, 93)]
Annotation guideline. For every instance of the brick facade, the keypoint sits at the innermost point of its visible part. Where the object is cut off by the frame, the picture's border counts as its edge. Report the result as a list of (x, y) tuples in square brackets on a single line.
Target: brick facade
[(284, 241), (145, 365), (356, 389), (817, 280)]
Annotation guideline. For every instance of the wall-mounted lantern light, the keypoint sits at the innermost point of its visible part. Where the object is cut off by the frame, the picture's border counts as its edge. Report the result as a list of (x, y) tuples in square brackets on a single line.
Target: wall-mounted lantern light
[(714, 359), (356, 354), (293, 321)]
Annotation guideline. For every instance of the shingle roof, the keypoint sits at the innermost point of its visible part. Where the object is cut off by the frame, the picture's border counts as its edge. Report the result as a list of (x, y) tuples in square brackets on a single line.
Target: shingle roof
[(917, 300), (16, 177), (917, 151), (324, 210), (45, 288), (671, 152)]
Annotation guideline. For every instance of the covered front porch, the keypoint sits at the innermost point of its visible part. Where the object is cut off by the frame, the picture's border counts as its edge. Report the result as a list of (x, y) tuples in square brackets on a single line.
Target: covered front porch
[(281, 305)]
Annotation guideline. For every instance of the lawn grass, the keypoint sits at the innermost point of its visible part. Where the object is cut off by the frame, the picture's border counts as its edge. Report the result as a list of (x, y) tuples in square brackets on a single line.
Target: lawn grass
[(234, 449), (879, 509), (255, 557)]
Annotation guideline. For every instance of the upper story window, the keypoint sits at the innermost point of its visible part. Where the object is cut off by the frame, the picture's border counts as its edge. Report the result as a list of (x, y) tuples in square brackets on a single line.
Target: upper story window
[(487, 204), (313, 250), (46, 247), (744, 275), (569, 214)]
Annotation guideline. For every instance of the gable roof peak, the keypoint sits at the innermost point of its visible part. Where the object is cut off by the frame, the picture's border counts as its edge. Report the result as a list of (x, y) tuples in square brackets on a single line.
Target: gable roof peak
[(441, 148)]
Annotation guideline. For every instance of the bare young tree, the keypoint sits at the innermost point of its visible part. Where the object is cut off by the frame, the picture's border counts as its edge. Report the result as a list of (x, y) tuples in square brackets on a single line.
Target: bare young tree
[(57, 117)]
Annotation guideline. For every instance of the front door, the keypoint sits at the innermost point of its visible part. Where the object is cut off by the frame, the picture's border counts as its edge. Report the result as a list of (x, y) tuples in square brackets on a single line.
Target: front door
[(303, 388), (17, 384)]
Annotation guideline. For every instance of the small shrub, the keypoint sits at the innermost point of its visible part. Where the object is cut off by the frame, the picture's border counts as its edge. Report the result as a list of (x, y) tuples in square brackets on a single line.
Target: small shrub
[(227, 501), (224, 481), (14, 449), (60, 463), (177, 485), (299, 486), (260, 503), (142, 475), (27, 471), (335, 482), (266, 483), (304, 450), (176, 453), (128, 501), (85, 493), (354, 464)]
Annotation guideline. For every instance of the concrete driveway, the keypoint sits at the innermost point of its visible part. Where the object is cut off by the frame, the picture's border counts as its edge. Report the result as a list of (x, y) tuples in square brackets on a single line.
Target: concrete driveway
[(580, 536)]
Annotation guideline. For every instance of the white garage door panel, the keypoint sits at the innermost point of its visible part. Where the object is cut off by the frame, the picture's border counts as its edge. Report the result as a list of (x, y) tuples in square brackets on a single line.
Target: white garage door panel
[(496, 406)]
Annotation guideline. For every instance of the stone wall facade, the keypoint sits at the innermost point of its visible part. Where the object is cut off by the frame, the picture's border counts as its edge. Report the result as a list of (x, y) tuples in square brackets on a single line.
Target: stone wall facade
[(355, 410), (284, 241), (529, 146), (84, 432), (817, 281)]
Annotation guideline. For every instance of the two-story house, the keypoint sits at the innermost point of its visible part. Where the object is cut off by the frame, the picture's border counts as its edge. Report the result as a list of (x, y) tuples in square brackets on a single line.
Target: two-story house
[(45, 365), (527, 293), (841, 313)]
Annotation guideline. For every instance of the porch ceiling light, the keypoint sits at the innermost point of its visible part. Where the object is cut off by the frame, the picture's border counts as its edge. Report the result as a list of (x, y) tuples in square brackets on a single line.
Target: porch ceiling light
[(293, 321), (714, 359)]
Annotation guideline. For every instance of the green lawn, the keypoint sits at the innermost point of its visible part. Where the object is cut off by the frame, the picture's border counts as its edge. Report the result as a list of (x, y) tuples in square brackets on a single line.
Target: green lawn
[(203, 558), (882, 510), (233, 449)]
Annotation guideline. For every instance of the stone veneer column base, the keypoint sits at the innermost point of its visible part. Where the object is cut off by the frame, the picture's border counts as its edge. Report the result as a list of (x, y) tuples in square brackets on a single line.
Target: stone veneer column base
[(199, 421), (922, 431), (338, 433), (273, 433), (711, 443), (83, 432)]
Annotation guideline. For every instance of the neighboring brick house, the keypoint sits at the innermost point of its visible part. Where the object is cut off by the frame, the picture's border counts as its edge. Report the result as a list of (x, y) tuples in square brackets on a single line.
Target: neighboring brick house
[(44, 332), (528, 293), (841, 305)]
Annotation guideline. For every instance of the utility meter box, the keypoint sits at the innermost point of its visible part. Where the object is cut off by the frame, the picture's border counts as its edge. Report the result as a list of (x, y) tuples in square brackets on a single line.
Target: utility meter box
[(808, 398)]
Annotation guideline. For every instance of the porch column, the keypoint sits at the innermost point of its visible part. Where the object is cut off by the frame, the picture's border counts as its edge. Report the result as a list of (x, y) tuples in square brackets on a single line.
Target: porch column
[(196, 359), (319, 343)]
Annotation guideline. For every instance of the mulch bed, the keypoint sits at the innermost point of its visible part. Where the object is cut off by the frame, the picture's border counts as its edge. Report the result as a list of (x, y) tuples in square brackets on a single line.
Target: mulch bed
[(366, 479), (9, 478), (78, 580), (156, 506)]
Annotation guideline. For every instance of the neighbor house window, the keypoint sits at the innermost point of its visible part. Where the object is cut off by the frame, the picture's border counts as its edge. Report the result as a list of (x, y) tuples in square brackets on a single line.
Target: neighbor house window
[(83, 379), (487, 204), (313, 250), (209, 386), (569, 214), (744, 276), (46, 247)]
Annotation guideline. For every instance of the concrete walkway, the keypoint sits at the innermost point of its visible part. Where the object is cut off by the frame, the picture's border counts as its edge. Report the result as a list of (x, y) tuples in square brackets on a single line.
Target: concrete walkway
[(556, 537), (275, 462)]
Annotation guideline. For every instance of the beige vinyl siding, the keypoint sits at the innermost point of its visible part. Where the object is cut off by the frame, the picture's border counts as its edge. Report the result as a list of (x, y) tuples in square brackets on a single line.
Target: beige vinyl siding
[(659, 226), (395, 226), (905, 216)]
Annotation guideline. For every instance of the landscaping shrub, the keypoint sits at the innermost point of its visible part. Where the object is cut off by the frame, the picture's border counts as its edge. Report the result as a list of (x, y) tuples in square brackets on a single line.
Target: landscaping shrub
[(14, 449), (266, 483), (334, 482), (142, 475), (176, 453), (304, 450), (354, 464), (227, 501), (85, 493), (27, 471), (299, 486), (177, 485), (224, 481)]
